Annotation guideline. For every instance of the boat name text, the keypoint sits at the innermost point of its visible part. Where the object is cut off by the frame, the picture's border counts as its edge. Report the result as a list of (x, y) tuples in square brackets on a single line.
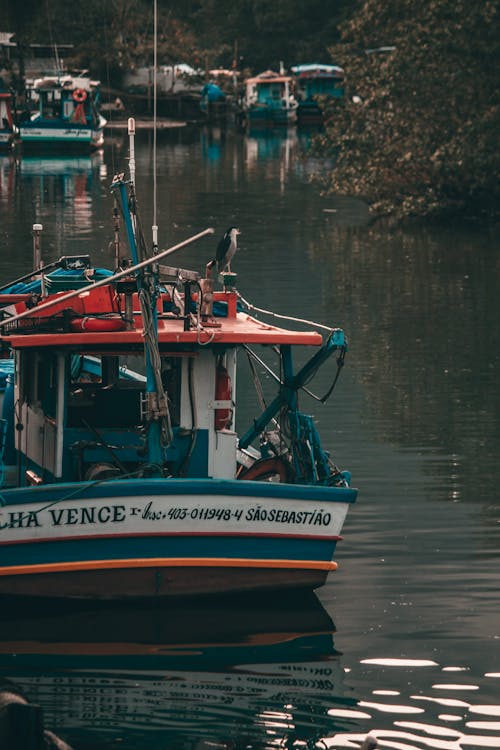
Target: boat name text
[(156, 512)]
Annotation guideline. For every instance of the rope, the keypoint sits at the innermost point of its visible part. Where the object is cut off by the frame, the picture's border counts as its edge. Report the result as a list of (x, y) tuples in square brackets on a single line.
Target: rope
[(81, 488), (154, 355), (283, 317)]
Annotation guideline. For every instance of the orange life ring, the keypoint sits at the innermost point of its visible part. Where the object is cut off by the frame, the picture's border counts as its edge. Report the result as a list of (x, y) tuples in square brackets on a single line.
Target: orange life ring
[(265, 468), (79, 95), (223, 417), (91, 325)]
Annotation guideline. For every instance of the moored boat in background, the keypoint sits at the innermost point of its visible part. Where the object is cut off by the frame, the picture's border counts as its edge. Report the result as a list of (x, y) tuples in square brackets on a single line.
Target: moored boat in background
[(62, 112), (313, 81), (269, 100)]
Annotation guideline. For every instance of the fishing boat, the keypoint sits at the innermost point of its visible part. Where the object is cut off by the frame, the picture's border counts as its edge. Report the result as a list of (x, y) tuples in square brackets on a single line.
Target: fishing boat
[(124, 473), (8, 128), (62, 113), (313, 81), (269, 100)]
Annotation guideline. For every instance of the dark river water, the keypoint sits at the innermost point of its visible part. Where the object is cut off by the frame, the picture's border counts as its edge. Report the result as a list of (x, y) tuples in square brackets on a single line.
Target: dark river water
[(404, 640)]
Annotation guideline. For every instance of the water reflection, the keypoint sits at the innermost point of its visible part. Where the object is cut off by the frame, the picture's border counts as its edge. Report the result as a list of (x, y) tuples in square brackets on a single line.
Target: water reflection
[(56, 165), (249, 672), (7, 177), (241, 672), (56, 191)]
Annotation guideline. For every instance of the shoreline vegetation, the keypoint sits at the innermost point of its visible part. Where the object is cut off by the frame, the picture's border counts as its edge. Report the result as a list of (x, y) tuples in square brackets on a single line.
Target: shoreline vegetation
[(416, 134)]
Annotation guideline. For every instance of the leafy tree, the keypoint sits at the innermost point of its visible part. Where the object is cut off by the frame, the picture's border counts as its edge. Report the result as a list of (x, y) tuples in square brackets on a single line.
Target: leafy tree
[(417, 133), (117, 35), (266, 33)]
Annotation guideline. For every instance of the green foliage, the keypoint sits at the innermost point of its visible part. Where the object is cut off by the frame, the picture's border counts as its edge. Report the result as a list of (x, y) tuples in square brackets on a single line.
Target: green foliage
[(420, 137), (118, 34)]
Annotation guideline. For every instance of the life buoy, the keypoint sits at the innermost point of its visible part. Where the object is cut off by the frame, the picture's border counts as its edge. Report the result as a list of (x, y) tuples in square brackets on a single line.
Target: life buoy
[(266, 468), (90, 324), (223, 417), (79, 95)]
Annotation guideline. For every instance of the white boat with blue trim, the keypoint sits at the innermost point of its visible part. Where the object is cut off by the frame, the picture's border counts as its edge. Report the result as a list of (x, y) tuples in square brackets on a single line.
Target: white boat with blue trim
[(64, 114), (269, 100), (122, 481)]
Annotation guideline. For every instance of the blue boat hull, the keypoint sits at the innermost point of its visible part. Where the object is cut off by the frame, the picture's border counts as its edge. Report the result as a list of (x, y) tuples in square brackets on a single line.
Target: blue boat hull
[(161, 538)]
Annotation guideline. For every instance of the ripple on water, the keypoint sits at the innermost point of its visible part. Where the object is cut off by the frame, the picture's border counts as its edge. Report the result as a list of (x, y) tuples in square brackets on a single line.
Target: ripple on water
[(388, 719)]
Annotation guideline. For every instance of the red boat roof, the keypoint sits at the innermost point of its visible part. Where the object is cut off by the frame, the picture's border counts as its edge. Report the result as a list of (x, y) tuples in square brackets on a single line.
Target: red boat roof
[(242, 329), (93, 318)]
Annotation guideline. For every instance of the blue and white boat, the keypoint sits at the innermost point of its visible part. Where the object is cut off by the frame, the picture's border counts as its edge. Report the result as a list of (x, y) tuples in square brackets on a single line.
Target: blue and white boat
[(131, 481), (64, 115), (269, 100), (314, 81)]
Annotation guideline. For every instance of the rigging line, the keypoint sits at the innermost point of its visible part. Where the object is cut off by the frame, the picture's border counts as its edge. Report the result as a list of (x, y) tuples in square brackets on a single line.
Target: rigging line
[(70, 495), (108, 82), (278, 379), (52, 44), (284, 317), (155, 66)]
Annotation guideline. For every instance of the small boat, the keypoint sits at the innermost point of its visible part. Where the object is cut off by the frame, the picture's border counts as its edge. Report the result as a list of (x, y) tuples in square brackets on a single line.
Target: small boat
[(268, 100), (316, 80), (126, 480), (8, 129), (66, 115)]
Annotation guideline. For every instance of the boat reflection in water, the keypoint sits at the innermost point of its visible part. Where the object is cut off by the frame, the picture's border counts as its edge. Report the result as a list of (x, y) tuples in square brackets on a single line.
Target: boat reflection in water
[(61, 165), (240, 672), (66, 185), (270, 144)]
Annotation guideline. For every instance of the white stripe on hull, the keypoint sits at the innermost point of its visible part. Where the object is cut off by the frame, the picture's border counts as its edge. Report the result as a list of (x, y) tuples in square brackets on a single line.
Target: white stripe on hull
[(62, 135), (171, 514)]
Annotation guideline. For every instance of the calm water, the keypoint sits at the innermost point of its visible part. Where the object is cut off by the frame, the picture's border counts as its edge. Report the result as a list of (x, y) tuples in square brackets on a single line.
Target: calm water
[(404, 641)]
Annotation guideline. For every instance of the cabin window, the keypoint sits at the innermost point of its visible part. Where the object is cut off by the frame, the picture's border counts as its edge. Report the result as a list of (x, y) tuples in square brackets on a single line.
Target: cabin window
[(107, 390), (68, 108), (50, 104), (104, 392), (39, 386)]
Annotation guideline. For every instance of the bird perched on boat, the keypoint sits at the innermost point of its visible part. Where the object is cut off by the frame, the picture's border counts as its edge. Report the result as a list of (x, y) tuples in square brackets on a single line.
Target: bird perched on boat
[(226, 249)]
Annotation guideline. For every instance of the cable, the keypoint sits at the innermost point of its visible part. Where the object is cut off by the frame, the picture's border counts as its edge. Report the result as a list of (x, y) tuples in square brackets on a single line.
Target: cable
[(283, 317)]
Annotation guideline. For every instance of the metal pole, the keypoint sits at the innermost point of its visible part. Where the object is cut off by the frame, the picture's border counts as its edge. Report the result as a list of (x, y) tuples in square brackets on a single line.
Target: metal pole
[(131, 137), (37, 245)]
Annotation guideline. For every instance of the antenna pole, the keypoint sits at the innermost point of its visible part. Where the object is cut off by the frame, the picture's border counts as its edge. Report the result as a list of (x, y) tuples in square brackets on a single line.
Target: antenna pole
[(131, 137), (155, 59), (37, 245)]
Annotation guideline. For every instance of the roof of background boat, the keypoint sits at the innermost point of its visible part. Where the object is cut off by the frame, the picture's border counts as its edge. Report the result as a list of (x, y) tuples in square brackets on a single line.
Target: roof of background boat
[(268, 76), (317, 68), (66, 81)]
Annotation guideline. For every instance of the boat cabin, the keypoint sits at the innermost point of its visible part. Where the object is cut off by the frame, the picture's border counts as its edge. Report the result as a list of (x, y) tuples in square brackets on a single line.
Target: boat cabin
[(70, 98), (83, 402), (318, 80), (270, 96)]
